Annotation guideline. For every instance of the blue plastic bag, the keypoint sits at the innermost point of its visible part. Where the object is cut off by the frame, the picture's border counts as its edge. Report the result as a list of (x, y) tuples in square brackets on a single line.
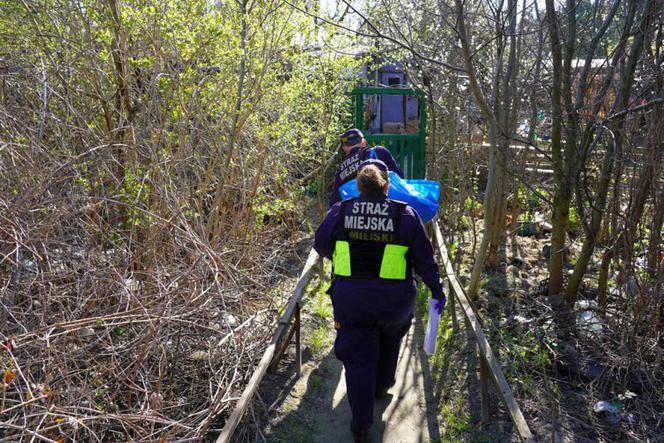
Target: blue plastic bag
[(420, 194)]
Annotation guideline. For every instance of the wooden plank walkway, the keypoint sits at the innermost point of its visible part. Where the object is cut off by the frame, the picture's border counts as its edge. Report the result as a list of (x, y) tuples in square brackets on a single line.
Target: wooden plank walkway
[(400, 417)]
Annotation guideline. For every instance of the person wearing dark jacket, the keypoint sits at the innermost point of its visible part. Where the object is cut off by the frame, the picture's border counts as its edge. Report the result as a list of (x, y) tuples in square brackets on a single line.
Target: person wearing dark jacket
[(356, 151), (375, 244)]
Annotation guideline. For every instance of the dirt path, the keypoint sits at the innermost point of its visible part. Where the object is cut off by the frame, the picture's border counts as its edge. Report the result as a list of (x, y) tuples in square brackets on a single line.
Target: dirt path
[(316, 408), (399, 417)]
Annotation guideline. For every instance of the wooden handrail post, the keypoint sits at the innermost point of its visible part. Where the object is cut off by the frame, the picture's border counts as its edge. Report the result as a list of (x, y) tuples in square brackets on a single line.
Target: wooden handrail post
[(298, 341), (450, 294), (484, 387)]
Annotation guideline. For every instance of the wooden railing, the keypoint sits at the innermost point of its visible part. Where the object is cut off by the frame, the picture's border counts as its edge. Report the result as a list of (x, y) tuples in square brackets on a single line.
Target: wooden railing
[(289, 325), (489, 367)]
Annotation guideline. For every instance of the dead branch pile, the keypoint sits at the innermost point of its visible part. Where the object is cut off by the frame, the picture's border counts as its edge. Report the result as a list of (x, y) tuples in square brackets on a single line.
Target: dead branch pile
[(116, 334)]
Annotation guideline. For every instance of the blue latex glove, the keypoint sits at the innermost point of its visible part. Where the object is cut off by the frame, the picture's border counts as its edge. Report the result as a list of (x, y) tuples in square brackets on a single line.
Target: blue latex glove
[(440, 305)]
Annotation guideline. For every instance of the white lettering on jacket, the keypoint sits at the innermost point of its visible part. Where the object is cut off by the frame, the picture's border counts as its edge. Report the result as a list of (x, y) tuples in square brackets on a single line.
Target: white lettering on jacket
[(349, 167), (371, 208), (366, 222)]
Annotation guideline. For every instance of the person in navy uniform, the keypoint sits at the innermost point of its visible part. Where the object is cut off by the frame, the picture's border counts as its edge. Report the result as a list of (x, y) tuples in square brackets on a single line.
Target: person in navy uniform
[(355, 151), (375, 244)]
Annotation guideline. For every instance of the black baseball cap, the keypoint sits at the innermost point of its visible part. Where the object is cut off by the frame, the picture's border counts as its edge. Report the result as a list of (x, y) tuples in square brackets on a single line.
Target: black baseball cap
[(352, 137)]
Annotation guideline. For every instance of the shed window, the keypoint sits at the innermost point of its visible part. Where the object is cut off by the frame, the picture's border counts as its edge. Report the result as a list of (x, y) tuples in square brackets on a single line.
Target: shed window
[(392, 81)]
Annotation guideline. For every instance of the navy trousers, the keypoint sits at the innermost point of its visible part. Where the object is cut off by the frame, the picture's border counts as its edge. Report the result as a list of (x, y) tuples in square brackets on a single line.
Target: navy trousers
[(371, 317)]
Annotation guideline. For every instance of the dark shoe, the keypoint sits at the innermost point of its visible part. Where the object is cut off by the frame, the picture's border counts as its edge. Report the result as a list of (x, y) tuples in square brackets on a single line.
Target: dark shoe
[(361, 435)]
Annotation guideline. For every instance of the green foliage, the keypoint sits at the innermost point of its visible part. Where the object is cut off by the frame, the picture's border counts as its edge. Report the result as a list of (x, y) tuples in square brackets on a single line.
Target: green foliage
[(534, 197), (294, 428), (456, 423), (315, 383), (186, 96), (84, 184), (642, 241), (525, 202), (323, 306), (571, 263), (423, 295), (573, 219), (646, 277), (135, 192), (266, 208), (495, 284), (319, 339), (470, 204), (525, 350), (521, 196), (453, 249), (530, 200)]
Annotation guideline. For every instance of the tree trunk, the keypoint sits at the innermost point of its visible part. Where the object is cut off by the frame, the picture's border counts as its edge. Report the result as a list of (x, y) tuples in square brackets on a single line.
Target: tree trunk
[(494, 225), (507, 115), (597, 213), (563, 192), (536, 87), (213, 225), (603, 277), (480, 256)]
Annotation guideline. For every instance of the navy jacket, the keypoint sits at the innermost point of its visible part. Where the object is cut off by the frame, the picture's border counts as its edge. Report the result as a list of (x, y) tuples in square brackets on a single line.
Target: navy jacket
[(362, 154), (411, 233)]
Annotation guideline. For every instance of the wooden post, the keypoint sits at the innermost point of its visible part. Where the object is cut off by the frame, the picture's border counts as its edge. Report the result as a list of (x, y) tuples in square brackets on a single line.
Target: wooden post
[(283, 346), (484, 387), (452, 298), (298, 341)]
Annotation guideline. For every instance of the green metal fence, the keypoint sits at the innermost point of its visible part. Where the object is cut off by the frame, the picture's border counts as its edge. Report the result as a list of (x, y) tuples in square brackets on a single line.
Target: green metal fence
[(407, 149)]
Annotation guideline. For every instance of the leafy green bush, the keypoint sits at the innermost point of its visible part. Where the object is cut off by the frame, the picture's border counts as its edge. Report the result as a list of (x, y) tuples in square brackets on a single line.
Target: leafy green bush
[(470, 204)]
